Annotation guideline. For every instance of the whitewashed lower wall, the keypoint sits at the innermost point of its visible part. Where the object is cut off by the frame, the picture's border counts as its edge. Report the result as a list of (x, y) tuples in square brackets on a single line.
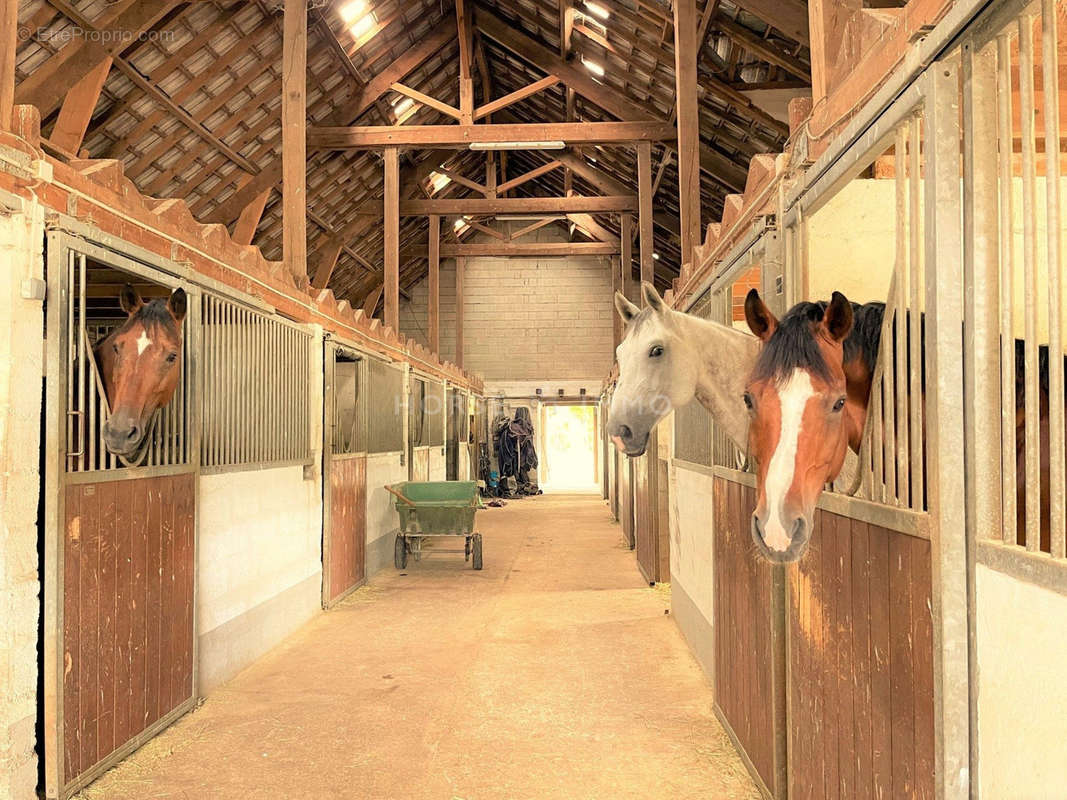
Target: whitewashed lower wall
[(691, 520), (438, 464), (1022, 694), (382, 469), (260, 565)]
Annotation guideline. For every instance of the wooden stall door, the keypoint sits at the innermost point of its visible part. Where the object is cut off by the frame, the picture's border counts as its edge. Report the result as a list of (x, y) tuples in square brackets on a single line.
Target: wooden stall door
[(127, 606), (651, 531), (626, 499), (861, 704), (347, 532), (749, 639)]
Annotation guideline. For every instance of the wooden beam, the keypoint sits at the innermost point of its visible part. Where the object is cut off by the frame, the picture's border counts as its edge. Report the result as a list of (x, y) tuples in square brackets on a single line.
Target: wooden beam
[(529, 176), (760, 47), (644, 193), (594, 228), (788, 16), (325, 260), (9, 30), (516, 205), (514, 248), (392, 238), (380, 83), (47, 85), (462, 180), (616, 286), (433, 308), (426, 100), (294, 146), (77, 109), (515, 97), (685, 71), (461, 269), (626, 237), (245, 229), (461, 136), (371, 303)]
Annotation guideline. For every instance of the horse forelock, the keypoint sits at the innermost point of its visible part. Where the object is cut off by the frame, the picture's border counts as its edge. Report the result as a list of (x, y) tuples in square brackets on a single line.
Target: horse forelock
[(153, 315), (793, 346)]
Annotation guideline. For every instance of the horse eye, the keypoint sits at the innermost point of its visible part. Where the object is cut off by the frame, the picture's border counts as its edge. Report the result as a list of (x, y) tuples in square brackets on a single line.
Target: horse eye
[(115, 347), (172, 358), (839, 404), (656, 351), (748, 400)]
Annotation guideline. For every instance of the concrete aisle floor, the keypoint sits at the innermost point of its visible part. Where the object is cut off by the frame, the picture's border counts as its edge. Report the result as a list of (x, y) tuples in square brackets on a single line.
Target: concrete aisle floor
[(553, 673)]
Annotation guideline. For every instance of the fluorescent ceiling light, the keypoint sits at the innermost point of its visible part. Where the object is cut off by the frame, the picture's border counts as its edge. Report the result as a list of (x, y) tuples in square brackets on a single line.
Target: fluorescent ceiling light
[(402, 105), (349, 11), (593, 67), (439, 181), (362, 25), (597, 10), (656, 256), (517, 145)]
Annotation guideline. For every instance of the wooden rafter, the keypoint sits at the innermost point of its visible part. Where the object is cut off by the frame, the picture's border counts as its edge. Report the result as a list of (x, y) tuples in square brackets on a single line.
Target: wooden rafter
[(462, 136), (515, 97), (517, 205), (537, 172), (426, 100)]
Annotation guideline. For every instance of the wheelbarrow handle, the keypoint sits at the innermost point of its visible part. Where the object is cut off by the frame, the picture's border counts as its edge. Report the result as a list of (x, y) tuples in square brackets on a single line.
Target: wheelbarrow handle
[(393, 491)]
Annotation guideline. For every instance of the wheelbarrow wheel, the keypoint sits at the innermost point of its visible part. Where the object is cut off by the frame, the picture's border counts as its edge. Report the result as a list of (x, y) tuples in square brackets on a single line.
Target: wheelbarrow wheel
[(400, 552), (476, 551)]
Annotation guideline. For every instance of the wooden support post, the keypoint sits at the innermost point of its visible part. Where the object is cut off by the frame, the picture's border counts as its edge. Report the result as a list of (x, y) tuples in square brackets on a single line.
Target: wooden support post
[(294, 132), (466, 59), (616, 286), (644, 202), (626, 227), (433, 306), (490, 174), (245, 228), (685, 70), (461, 268), (77, 109), (326, 261), (392, 238), (9, 30), (371, 302)]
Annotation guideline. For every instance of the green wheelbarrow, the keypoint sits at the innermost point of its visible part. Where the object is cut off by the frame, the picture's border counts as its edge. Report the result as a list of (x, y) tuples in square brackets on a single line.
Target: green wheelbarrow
[(436, 508)]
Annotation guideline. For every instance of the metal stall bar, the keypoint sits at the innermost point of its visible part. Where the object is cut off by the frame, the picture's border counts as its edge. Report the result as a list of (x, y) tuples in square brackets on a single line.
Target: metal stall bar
[(1029, 211), (916, 280), (1051, 99), (1006, 202), (899, 302), (944, 309)]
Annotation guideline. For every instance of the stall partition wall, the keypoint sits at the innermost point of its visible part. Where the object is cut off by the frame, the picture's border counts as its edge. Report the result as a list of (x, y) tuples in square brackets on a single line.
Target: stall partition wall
[(344, 534), (119, 627), (386, 456)]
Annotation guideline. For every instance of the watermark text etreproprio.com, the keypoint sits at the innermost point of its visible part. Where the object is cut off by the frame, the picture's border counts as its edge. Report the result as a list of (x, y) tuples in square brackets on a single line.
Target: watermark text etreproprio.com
[(104, 37)]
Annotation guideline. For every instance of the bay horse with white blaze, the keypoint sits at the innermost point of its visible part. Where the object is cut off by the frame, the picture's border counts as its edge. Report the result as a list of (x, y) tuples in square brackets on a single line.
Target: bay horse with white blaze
[(666, 358), (140, 365)]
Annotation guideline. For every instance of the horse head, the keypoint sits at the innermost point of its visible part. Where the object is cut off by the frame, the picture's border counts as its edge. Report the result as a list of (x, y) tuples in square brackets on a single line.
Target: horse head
[(140, 364), (658, 370), (798, 429)]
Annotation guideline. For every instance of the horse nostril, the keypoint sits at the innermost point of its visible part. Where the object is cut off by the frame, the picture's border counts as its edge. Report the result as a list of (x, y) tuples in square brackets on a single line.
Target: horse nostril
[(625, 432), (799, 524), (134, 434)]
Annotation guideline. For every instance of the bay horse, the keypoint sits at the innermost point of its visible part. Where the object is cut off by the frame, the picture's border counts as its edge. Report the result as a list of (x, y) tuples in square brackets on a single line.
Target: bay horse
[(807, 398), (666, 358), (140, 364)]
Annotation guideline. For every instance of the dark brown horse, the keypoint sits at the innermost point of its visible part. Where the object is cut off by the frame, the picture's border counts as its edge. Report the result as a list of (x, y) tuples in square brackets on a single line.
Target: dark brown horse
[(140, 365)]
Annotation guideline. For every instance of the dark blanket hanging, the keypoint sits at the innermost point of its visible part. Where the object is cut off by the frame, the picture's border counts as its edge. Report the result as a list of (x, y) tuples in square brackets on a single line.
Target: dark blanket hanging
[(515, 447)]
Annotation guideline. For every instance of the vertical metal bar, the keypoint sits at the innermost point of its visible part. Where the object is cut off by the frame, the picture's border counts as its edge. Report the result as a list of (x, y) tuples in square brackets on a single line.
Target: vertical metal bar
[(1006, 191), (84, 383), (1051, 93), (980, 275), (1032, 387), (916, 280), (877, 448), (944, 319), (229, 357), (72, 339), (900, 305)]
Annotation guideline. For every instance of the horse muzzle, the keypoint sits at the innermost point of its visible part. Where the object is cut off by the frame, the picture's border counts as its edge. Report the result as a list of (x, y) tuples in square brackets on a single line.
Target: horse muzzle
[(778, 545), (122, 437), (627, 442)]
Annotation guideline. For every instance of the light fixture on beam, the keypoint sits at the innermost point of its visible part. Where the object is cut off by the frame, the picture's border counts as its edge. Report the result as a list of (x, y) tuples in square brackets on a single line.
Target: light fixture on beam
[(517, 145), (596, 9)]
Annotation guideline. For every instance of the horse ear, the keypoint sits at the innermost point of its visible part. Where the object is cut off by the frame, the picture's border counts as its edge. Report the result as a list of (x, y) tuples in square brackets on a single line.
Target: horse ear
[(626, 309), (178, 304), (129, 299), (759, 318), (837, 319), (652, 298)]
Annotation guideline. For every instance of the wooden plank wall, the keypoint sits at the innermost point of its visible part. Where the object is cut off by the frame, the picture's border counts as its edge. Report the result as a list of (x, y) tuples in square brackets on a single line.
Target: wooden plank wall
[(129, 555), (613, 479), (652, 530), (745, 638), (348, 525), (626, 498), (860, 664), (420, 464)]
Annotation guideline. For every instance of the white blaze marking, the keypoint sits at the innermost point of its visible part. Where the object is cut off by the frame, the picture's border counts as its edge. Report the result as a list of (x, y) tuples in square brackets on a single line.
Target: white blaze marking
[(143, 342), (793, 397)]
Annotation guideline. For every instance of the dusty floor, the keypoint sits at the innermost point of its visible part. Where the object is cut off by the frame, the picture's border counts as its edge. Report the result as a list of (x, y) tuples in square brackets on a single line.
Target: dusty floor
[(553, 673)]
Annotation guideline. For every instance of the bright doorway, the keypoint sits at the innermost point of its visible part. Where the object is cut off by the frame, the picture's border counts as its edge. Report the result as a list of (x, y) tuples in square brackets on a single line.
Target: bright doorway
[(569, 462)]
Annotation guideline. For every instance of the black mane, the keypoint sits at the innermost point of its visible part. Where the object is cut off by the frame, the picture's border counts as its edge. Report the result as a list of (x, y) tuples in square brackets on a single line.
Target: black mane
[(793, 346), (155, 313)]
